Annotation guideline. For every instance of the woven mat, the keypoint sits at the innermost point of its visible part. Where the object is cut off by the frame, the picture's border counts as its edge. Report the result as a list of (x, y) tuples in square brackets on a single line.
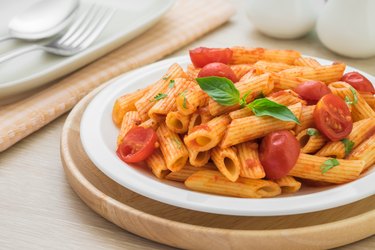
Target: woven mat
[(184, 23)]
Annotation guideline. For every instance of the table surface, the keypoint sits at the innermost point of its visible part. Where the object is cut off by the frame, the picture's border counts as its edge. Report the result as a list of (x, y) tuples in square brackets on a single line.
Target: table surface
[(39, 210)]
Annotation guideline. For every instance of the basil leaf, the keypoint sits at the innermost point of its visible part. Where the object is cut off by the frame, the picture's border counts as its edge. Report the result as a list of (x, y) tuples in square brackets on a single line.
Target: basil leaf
[(312, 132), (355, 97), (243, 99), (348, 144), (171, 84), (220, 89), (328, 164), (266, 107), (159, 97)]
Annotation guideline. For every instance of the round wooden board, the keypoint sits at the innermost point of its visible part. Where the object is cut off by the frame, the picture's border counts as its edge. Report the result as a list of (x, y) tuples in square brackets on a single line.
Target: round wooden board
[(197, 230)]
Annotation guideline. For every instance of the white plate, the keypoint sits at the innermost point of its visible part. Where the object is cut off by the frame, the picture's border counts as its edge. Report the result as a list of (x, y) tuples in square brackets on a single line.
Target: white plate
[(36, 68), (98, 136)]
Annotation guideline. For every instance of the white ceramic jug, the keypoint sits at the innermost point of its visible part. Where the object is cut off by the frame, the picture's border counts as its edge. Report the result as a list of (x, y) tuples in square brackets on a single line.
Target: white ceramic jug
[(284, 19), (347, 27)]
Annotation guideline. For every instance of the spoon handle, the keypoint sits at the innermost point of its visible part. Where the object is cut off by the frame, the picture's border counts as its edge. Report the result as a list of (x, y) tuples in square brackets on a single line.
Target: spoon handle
[(14, 53)]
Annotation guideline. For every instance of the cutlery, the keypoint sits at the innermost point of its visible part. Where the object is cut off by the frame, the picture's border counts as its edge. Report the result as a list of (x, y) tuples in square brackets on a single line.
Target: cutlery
[(79, 36), (43, 19)]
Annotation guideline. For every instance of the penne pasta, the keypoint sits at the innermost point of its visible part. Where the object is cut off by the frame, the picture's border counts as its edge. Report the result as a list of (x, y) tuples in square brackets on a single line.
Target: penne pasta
[(310, 143), (192, 71), (149, 124), (238, 132), (131, 120), (157, 164), (208, 135), (211, 181), (365, 152), (242, 55), (250, 166), (125, 104), (307, 61), (227, 162), (198, 158), (189, 101), (369, 98), (360, 132), (188, 170), (144, 104), (173, 149), (242, 69), (360, 108), (162, 107), (306, 119), (272, 66), (200, 117), (177, 122), (310, 167), (288, 184)]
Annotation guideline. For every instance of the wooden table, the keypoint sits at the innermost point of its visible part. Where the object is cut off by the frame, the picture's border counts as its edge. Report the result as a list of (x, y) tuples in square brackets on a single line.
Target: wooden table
[(39, 210)]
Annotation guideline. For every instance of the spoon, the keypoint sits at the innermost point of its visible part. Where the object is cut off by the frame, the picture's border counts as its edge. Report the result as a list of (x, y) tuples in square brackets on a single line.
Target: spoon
[(41, 20)]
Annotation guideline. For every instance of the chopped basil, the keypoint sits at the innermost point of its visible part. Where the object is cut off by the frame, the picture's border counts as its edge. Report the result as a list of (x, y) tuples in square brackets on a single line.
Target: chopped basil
[(312, 132), (171, 84), (160, 96), (348, 144), (355, 97), (328, 164), (183, 94), (243, 99)]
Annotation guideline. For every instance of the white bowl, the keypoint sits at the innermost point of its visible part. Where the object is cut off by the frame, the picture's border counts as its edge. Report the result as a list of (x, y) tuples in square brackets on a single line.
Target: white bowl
[(284, 19)]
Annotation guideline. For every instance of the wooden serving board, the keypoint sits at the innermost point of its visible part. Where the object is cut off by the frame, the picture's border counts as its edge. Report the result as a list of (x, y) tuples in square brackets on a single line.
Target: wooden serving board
[(197, 230)]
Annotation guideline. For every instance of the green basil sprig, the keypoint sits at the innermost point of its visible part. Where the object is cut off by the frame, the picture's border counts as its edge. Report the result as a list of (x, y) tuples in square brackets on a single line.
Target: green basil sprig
[(223, 91), (328, 164), (348, 144), (312, 132)]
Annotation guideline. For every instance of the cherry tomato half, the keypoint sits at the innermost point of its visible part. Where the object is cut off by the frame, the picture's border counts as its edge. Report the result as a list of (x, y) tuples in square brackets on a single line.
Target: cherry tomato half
[(312, 91), (137, 145), (218, 69), (358, 81), (202, 56), (332, 117), (278, 153)]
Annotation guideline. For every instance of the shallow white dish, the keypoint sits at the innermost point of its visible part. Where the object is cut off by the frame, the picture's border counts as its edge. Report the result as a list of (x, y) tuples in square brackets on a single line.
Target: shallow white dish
[(98, 136), (37, 68)]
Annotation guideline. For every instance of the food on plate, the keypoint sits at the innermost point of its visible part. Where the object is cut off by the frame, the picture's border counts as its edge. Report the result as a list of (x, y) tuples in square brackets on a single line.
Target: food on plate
[(250, 122)]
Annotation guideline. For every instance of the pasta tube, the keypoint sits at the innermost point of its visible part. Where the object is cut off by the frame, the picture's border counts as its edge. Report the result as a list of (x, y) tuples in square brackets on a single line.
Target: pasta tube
[(360, 132), (360, 108), (125, 104), (272, 66), (198, 158), (310, 167), (227, 162), (310, 143), (365, 151), (192, 71), (250, 166), (211, 181), (241, 69), (177, 122), (369, 98), (288, 184), (157, 164), (144, 104), (188, 170), (189, 101), (200, 117), (149, 124), (173, 149), (306, 119), (131, 120), (208, 135), (306, 61), (162, 107), (239, 129)]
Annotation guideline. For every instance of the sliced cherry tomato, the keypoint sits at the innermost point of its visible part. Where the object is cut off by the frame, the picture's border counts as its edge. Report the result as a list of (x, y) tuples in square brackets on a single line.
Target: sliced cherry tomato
[(137, 145), (218, 69), (312, 91), (202, 56), (278, 153), (358, 81), (332, 117)]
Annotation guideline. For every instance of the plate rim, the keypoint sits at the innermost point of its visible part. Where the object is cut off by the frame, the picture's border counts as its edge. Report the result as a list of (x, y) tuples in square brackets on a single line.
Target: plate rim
[(307, 200)]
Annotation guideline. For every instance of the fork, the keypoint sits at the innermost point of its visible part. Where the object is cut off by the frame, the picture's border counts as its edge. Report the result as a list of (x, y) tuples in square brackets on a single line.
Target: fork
[(78, 37)]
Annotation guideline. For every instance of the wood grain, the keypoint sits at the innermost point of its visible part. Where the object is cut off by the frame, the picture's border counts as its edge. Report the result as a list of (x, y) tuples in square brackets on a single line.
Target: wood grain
[(197, 230)]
